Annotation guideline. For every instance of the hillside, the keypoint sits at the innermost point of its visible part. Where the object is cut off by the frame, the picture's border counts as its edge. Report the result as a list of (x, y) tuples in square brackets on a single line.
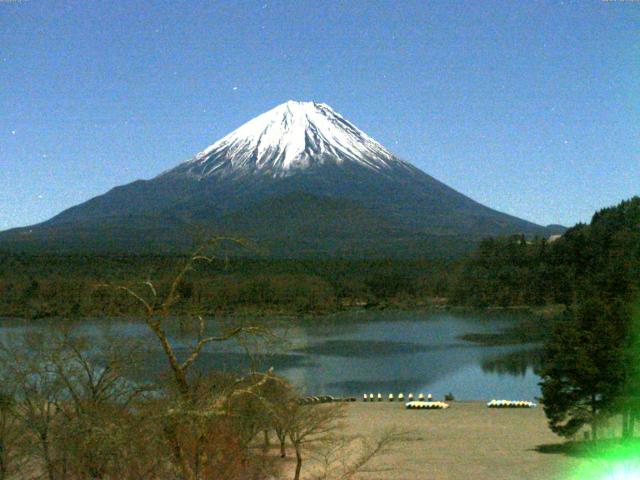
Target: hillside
[(299, 179)]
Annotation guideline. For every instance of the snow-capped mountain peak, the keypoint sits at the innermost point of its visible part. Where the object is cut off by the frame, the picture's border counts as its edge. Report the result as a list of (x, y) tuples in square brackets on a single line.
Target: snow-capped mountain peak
[(290, 137)]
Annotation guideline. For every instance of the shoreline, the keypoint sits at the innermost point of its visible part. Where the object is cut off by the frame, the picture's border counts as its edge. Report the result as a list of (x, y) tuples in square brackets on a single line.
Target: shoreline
[(537, 310), (531, 329), (467, 440)]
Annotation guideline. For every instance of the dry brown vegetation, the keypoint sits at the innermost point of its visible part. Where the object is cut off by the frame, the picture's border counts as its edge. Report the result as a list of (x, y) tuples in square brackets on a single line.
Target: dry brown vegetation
[(70, 411), (467, 440)]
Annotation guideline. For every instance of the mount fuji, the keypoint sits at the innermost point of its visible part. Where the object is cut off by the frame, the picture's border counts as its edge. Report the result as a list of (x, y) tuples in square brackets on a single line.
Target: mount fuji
[(300, 180)]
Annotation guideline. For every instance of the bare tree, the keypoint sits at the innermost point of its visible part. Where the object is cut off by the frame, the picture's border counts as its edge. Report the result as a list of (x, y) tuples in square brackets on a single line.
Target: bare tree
[(38, 393), (95, 414), (309, 425), (10, 432), (346, 457), (315, 431), (73, 410), (81, 417), (283, 403), (157, 310), (192, 406), (261, 403)]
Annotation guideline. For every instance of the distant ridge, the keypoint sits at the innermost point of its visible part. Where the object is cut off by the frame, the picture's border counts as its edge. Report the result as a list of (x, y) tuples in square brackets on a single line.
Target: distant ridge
[(301, 180)]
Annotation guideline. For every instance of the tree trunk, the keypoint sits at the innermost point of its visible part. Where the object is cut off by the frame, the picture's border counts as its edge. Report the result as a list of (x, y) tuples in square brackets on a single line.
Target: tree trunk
[(64, 461), (178, 453), (267, 440), (282, 437), (196, 459), (51, 474), (283, 448), (625, 422), (594, 422), (179, 374), (3, 464), (298, 463)]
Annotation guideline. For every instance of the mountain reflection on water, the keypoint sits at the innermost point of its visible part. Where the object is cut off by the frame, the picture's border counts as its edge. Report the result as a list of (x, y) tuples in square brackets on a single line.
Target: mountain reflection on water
[(515, 363), (359, 352)]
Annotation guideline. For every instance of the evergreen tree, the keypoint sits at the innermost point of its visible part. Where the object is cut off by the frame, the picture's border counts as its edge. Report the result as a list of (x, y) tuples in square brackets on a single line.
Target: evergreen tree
[(629, 402), (585, 365)]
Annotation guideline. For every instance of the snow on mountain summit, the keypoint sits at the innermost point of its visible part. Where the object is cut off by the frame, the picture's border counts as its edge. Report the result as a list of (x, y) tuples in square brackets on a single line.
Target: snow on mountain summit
[(300, 180), (290, 137)]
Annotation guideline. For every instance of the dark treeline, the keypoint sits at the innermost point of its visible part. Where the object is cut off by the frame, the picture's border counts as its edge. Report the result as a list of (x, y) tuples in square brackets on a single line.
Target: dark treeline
[(591, 371), (604, 255), (72, 285), (72, 409), (503, 272), (589, 367)]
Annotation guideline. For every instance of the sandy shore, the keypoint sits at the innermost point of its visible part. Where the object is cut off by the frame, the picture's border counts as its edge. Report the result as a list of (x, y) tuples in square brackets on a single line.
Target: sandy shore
[(466, 441)]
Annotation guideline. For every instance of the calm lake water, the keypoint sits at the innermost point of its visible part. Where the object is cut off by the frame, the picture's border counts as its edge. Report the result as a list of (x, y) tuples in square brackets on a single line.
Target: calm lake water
[(353, 353)]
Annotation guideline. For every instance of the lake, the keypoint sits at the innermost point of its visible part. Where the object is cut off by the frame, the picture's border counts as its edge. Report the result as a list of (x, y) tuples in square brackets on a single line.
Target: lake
[(353, 353)]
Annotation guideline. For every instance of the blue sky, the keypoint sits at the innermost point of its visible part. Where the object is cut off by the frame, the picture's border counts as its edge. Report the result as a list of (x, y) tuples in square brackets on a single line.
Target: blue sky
[(529, 107)]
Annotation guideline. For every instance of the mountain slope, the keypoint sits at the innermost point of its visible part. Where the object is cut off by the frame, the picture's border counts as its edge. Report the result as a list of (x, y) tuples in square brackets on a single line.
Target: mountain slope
[(299, 178)]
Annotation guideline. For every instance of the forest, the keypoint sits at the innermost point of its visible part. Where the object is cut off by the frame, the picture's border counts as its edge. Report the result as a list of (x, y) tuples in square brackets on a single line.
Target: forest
[(604, 254), (38, 286), (74, 408), (502, 272), (589, 369)]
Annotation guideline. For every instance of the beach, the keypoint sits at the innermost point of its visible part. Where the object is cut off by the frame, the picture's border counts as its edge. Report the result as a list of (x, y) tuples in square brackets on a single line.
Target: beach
[(465, 441)]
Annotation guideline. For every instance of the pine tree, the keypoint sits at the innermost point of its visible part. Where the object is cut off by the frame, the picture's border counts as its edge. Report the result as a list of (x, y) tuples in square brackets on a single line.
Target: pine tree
[(585, 365), (629, 402)]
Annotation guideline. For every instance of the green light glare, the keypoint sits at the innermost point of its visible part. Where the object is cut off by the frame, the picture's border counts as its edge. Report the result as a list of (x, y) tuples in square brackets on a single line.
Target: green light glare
[(624, 472), (616, 461)]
